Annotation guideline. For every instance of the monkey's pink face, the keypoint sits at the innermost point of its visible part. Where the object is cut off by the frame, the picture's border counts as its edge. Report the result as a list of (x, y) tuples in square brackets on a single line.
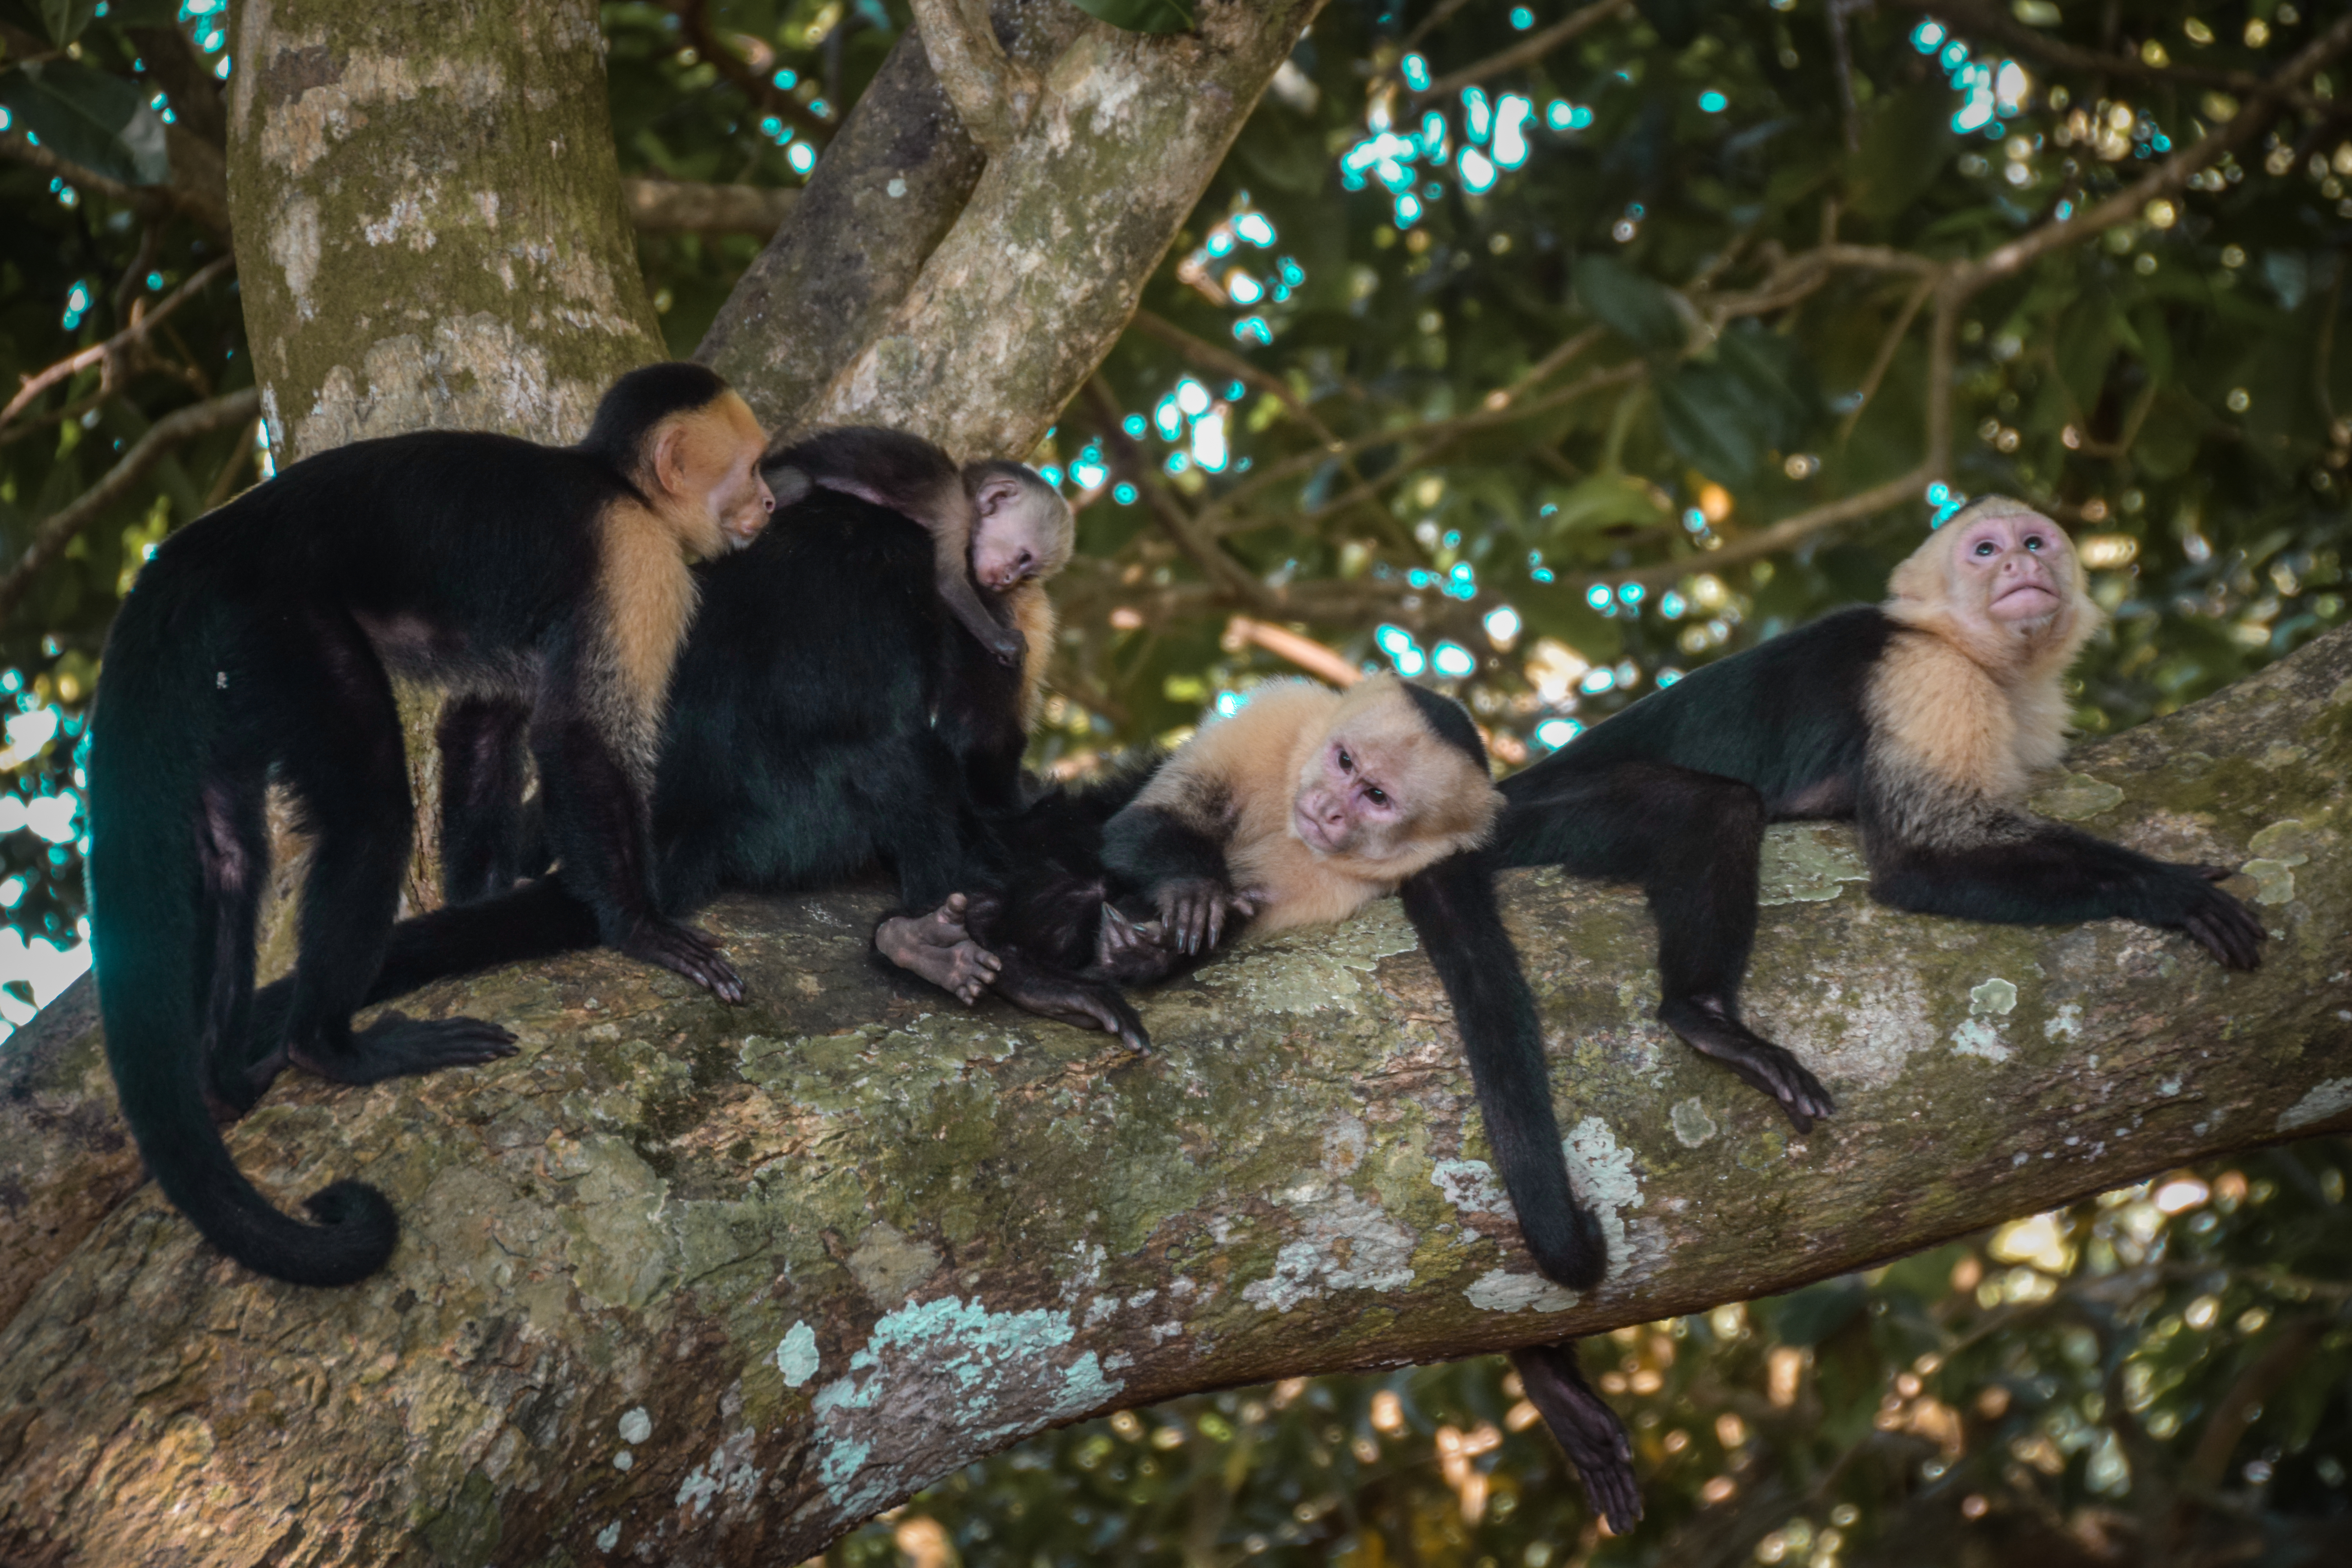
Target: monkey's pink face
[(2018, 566), (1346, 803)]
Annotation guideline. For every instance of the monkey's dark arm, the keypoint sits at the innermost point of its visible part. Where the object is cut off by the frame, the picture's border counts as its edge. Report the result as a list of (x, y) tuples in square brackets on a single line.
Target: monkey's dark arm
[(1181, 865), (1004, 644), (1452, 906), (1587, 1429), (2049, 874), (597, 830)]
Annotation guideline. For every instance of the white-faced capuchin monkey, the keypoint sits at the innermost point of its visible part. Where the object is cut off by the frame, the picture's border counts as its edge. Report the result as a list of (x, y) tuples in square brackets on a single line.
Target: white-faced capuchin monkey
[(254, 645), (1922, 720), (995, 524)]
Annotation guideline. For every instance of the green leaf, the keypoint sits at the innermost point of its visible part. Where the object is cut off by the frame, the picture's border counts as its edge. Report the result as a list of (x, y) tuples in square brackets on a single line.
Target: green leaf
[(1629, 303), (64, 19), (1141, 16), (1706, 413), (1903, 148), (89, 118), (1784, 400), (1604, 500)]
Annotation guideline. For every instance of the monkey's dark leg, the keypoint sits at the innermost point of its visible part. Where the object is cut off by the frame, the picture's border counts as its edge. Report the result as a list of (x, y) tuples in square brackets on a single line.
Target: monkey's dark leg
[(597, 827), (1694, 842), (2051, 875), (233, 839), (1588, 1431), (1033, 936), (340, 754), (480, 741), (1004, 644), (1452, 906)]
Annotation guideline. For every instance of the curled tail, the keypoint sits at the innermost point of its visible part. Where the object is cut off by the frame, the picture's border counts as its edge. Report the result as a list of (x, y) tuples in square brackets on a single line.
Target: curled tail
[(178, 857), (1452, 906)]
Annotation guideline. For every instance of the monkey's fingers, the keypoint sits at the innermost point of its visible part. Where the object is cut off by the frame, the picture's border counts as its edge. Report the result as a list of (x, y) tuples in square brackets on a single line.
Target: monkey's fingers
[(2229, 930), (397, 1046), (1757, 1061), (682, 950), (1075, 1003), (1587, 1430)]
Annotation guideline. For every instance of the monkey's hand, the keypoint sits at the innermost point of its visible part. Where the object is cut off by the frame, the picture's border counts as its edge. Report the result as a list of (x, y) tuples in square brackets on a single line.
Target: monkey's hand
[(1587, 1429), (938, 946), (1704, 1025), (2226, 928), (1192, 911), (682, 950), (1007, 645), (1082, 1003)]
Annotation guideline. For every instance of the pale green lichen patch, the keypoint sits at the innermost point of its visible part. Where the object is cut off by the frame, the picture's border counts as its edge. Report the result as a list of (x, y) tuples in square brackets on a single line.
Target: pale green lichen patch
[(2065, 1023), (1324, 968), (636, 1425), (796, 1354), (1345, 1244), (617, 1243), (1499, 1291), (937, 1380), (1807, 863), (1977, 1038), (1603, 1177), (1693, 1126), (887, 1266), (1471, 1187), (1995, 998), (2076, 797), (2324, 1099), (2273, 881)]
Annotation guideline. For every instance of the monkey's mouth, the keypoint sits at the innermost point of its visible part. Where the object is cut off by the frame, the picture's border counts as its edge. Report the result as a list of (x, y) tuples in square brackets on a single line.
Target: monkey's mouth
[(2023, 600), (744, 530)]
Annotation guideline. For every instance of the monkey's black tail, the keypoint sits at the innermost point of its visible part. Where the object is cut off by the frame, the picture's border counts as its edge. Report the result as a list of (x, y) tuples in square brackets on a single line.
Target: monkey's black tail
[(178, 860), (1452, 906)]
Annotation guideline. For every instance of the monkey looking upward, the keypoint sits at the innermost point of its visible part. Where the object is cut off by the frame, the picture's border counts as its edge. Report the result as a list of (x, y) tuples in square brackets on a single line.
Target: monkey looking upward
[(253, 647), (996, 521), (1922, 720)]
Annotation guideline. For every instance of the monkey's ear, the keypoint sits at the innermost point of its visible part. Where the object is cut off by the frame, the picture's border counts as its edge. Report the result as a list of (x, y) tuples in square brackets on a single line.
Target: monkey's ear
[(672, 457), (995, 493)]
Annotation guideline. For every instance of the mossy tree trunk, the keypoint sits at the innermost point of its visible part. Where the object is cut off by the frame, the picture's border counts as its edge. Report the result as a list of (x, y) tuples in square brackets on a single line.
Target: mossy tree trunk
[(708, 1284)]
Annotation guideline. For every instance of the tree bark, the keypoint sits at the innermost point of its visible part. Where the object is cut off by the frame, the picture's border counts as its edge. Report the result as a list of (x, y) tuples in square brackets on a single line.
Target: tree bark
[(707, 1285), (1030, 288), (428, 217)]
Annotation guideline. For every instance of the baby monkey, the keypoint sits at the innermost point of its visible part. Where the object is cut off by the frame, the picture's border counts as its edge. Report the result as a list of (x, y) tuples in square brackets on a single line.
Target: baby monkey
[(997, 522)]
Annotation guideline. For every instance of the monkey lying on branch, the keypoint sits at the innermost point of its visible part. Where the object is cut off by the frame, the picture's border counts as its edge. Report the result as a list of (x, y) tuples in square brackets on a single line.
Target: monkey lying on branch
[(254, 645)]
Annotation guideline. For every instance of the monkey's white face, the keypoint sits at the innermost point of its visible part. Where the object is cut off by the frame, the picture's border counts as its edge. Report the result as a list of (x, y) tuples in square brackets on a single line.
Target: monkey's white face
[(1347, 801), (1019, 531), (2015, 566)]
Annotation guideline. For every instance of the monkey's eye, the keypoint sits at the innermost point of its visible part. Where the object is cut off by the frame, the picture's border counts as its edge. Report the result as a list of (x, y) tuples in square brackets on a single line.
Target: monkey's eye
[(1985, 547), (2033, 541), (1347, 762), (1377, 795)]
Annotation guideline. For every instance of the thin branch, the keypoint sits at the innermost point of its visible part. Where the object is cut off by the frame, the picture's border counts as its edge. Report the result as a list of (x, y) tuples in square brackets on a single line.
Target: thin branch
[(693, 21), (1209, 356), (141, 323), (149, 201), (57, 529), (2168, 176), (1784, 535), (1887, 348), (1216, 565), (1440, 13), (683, 206), (1282, 643), (994, 93), (1532, 47), (1987, 22)]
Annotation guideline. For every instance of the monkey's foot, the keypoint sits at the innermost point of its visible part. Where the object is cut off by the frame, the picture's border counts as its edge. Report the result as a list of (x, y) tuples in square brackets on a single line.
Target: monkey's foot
[(939, 947), (1066, 998), (2224, 926), (1704, 1026), (397, 1046), (1129, 951), (1587, 1429), (1192, 911), (682, 950)]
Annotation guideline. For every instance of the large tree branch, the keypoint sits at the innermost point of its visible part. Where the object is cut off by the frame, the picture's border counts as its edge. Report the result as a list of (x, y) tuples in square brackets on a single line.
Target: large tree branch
[(682, 207), (695, 1283), (994, 94)]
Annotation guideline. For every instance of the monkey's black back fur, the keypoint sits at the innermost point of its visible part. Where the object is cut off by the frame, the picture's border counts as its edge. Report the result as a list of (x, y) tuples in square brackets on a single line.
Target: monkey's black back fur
[(252, 647)]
